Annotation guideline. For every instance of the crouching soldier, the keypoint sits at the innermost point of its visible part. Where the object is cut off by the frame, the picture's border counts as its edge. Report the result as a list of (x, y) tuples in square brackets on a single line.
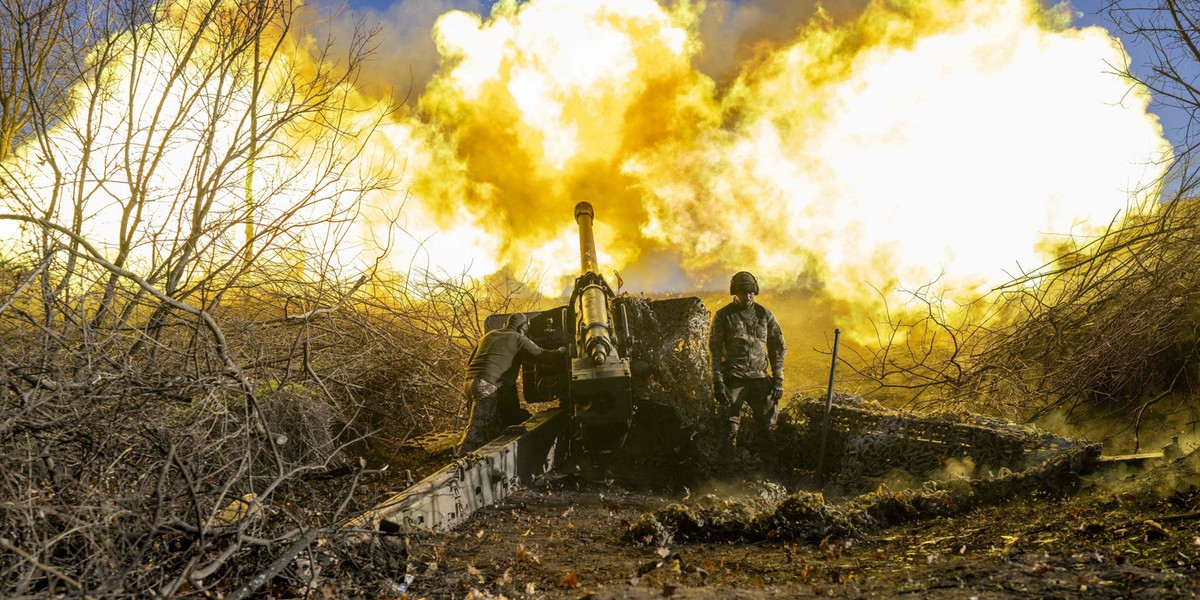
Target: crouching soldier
[(745, 340), (490, 371)]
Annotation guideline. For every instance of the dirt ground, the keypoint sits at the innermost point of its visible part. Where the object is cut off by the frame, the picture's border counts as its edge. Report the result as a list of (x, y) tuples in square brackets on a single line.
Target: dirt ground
[(1122, 535)]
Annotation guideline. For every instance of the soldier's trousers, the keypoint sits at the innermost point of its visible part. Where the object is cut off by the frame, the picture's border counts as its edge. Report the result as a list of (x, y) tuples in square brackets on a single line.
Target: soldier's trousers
[(483, 424), (755, 393)]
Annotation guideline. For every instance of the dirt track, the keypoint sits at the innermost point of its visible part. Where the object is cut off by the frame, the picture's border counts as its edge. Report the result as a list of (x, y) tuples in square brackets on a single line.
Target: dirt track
[(1138, 537)]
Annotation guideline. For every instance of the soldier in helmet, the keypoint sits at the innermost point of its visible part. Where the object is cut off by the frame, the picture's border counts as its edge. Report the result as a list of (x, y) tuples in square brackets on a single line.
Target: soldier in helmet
[(745, 341), (490, 370)]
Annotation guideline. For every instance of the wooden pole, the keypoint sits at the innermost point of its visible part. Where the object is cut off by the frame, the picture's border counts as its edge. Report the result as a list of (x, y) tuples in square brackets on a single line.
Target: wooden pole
[(828, 407)]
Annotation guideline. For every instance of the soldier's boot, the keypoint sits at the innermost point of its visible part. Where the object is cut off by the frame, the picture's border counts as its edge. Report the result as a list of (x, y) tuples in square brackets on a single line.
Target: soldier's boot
[(727, 449)]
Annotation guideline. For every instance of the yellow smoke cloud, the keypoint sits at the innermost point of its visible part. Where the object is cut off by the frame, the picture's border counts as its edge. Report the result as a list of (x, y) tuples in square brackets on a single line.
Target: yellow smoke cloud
[(919, 138), (541, 105), (169, 100), (914, 139)]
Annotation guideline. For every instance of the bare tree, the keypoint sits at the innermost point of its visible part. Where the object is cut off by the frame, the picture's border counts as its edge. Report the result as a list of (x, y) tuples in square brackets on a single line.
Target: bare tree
[(1168, 33), (39, 40), (151, 420)]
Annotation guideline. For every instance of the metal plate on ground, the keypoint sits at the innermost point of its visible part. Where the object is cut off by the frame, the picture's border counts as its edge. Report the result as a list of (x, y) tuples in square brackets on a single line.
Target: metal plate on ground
[(447, 498)]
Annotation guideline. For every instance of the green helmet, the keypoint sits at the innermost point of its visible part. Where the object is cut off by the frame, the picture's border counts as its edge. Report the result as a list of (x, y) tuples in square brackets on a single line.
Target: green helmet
[(743, 281), (516, 321)]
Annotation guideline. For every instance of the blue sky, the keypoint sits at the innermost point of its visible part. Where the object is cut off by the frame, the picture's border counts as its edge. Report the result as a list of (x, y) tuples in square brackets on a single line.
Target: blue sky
[(1092, 14)]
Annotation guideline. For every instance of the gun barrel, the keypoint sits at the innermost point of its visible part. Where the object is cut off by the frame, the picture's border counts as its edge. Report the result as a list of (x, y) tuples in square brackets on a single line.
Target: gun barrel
[(587, 242), (594, 323)]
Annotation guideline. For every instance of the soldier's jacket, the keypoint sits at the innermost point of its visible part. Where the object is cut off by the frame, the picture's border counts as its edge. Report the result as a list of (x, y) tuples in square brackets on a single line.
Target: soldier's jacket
[(498, 350), (745, 341)]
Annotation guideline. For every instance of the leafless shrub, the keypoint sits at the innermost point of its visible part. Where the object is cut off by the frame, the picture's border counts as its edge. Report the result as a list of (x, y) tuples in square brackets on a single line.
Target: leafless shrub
[(164, 454), (177, 389), (1112, 324), (922, 351), (1109, 329)]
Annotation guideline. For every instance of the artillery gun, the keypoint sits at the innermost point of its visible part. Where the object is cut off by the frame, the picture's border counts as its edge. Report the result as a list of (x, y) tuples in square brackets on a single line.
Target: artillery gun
[(634, 393), (611, 348)]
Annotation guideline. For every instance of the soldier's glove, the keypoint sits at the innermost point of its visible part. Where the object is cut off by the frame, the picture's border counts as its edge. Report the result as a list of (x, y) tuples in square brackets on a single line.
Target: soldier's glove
[(777, 391), (720, 393)]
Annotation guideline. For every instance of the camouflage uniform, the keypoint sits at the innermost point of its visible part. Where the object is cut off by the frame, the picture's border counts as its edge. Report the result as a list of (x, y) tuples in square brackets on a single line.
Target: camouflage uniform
[(744, 342), (491, 379)]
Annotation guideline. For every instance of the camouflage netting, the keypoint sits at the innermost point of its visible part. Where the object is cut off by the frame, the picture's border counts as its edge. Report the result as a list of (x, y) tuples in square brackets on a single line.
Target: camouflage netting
[(670, 352), (673, 421), (867, 444)]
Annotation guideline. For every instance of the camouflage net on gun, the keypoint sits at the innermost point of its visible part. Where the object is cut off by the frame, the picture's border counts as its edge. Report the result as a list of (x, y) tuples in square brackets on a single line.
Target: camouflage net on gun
[(866, 443), (670, 351), (673, 425)]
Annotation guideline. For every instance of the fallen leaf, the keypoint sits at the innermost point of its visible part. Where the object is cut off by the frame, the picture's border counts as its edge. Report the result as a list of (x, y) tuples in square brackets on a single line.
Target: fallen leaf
[(937, 540), (524, 555), (329, 591), (240, 508), (570, 580)]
